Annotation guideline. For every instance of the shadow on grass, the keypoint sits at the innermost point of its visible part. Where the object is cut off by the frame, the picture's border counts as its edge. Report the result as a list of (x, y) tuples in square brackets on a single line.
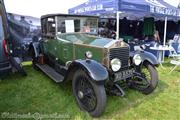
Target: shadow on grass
[(116, 106)]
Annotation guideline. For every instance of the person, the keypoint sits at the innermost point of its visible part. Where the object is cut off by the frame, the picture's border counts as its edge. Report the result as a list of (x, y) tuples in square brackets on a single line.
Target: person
[(124, 27), (23, 20), (156, 36), (85, 29), (109, 25), (153, 38)]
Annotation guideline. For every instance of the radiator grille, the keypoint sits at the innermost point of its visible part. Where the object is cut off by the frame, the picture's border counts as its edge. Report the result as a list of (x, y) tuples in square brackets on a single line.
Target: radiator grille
[(122, 54)]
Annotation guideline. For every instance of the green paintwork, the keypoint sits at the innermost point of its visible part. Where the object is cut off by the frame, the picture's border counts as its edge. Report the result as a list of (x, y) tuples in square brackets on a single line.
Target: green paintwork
[(64, 46), (68, 50), (80, 52), (59, 49)]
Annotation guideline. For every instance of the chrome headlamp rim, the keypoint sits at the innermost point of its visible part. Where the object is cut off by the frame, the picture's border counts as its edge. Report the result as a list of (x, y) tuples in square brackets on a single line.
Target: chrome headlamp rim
[(137, 59), (115, 64)]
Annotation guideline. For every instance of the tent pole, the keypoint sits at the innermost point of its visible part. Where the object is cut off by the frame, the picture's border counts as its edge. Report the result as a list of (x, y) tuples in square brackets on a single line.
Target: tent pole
[(165, 31), (117, 25)]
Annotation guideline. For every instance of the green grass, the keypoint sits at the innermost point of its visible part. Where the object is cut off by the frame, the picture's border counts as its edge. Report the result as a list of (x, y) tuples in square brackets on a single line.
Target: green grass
[(36, 93)]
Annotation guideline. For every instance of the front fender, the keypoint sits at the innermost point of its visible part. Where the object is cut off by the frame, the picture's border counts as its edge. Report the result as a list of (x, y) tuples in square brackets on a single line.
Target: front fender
[(146, 56), (94, 69)]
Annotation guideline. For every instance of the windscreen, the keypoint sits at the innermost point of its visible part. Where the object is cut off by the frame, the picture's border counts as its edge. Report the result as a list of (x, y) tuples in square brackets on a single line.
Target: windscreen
[(82, 38), (77, 24)]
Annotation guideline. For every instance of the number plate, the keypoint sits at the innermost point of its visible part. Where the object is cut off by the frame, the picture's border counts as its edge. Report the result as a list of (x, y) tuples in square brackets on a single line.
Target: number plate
[(124, 74)]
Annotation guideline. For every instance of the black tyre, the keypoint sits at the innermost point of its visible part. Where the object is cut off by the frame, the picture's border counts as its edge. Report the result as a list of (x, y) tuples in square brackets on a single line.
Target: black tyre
[(90, 96), (150, 81), (16, 63)]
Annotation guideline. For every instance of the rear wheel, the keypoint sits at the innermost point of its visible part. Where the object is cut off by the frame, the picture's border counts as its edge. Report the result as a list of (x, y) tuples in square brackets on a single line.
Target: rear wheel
[(90, 96), (16, 62), (149, 79)]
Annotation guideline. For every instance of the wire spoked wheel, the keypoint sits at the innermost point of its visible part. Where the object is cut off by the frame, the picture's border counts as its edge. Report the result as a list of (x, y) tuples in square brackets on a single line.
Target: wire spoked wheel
[(148, 80), (90, 96), (86, 94)]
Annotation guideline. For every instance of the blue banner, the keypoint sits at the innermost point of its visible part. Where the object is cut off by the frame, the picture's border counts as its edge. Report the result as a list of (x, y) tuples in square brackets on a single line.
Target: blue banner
[(101, 7), (95, 6)]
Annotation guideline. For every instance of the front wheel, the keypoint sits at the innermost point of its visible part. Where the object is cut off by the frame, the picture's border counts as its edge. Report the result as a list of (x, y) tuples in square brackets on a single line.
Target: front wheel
[(148, 79), (90, 96)]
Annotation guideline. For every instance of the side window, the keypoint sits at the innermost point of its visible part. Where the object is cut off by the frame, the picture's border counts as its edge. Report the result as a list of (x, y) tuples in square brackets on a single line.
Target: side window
[(51, 26), (1, 29), (68, 25), (44, 28), (61, 26), (48, 27), (77, 25), (92, 24)]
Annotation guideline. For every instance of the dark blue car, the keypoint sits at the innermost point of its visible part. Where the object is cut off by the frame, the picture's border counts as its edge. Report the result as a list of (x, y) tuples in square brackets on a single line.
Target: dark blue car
[(8, 63), (5, 65)]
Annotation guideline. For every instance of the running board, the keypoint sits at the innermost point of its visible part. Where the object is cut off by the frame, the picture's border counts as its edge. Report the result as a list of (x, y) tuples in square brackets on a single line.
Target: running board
[(49, 71)]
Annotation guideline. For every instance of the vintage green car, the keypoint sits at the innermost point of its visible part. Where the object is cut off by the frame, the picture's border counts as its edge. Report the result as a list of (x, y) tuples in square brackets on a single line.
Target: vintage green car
[(71, 50)]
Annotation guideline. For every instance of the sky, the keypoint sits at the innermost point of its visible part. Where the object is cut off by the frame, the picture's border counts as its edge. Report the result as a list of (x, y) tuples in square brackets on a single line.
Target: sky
[(37, 8)]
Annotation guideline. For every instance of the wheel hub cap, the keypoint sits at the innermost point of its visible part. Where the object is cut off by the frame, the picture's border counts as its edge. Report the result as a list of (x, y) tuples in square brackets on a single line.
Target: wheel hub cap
[(80, 95)]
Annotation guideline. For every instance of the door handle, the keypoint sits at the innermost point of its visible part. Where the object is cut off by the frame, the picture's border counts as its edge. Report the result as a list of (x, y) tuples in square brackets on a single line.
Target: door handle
[(65, 52)]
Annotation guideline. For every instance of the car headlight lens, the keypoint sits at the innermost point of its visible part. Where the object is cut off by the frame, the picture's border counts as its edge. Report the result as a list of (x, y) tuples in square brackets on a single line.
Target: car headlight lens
[(137, 59), (88, 55), (115, 64)]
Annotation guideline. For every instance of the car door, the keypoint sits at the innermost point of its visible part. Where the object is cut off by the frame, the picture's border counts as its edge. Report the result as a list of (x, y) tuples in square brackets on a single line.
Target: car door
[(66, 28), (2, 54), (49, 38), (64, 51)]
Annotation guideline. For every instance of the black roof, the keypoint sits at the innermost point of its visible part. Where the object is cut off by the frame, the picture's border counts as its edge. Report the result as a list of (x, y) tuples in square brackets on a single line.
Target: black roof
[(67, 15)]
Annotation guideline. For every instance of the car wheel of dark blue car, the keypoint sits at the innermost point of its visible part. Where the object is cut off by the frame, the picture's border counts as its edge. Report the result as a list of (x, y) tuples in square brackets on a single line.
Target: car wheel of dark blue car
[(149, 80), (15, 61), (90, 96)]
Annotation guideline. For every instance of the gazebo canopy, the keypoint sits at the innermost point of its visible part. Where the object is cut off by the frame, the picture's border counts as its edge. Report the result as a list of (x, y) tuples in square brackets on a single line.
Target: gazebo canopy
[(129, 8), (132, 9)]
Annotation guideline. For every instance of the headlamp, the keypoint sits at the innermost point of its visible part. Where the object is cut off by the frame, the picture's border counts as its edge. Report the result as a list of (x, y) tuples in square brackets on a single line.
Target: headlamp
[(115, 64)]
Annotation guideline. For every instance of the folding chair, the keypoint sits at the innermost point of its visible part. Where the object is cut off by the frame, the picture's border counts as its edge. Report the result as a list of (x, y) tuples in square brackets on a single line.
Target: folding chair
[(176, 63), (175, 54), (174, 50)]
